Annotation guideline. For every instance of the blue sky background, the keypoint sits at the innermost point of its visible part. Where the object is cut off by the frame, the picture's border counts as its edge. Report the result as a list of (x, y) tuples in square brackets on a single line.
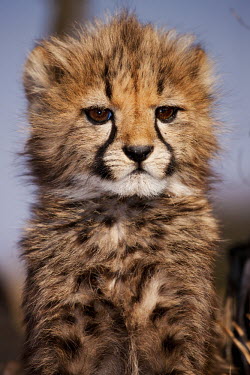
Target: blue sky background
[(24, 21)]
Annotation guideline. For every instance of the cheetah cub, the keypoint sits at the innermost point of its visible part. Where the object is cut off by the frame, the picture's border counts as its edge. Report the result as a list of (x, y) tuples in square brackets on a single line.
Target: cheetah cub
[(121, 244)]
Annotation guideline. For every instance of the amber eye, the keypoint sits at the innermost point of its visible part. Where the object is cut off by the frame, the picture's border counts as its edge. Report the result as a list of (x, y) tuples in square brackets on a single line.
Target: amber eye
[(98, 116), (166, 114)]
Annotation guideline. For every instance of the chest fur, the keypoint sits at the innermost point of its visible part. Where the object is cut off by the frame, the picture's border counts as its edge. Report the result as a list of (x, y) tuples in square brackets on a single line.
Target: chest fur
[(118, 244)]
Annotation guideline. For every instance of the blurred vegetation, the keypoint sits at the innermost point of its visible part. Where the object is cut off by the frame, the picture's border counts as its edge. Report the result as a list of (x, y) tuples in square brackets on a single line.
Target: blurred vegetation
[(66, 14)]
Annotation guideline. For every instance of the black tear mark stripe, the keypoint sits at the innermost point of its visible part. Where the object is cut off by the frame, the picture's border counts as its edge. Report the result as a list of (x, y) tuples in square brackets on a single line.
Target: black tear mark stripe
[(99, 167), (172, 164)]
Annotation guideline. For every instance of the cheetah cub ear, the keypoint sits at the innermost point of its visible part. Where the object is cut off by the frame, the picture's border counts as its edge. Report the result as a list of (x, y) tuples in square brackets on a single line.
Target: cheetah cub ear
[(44, 68), (203, 68)]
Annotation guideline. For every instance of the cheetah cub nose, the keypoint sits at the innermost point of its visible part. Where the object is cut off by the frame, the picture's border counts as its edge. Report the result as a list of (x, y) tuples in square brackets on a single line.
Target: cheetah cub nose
[(138, 153)]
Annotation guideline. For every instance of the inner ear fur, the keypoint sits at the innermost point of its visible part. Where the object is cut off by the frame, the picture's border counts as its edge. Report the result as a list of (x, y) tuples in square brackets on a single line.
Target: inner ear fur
[(41, 71)]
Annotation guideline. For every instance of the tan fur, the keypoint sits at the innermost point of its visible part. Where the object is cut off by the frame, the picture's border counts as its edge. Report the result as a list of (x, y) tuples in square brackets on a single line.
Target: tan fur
[(119, 264)]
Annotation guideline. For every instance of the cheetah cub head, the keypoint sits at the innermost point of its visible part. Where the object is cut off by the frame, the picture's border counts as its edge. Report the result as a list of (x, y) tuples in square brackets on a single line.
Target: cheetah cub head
[(120, 109)]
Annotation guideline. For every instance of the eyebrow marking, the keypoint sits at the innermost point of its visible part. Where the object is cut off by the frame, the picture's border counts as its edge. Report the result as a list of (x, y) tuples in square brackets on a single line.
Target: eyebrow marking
[(108, 86), (160, 86)]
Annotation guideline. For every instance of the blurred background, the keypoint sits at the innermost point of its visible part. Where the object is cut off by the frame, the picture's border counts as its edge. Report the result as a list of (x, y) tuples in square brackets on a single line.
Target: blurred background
[(222, 26)]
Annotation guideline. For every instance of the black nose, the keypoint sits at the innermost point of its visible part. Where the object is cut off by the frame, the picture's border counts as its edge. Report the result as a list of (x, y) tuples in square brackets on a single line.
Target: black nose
[(138, 153)]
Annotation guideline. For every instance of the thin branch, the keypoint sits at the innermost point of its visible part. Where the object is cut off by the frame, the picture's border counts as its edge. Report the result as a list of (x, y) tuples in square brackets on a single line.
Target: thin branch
[(239, 345), (239, 19)]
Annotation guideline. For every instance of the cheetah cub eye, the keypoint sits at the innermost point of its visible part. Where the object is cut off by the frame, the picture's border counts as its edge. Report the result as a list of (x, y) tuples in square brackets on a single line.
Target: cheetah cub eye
[(166, 114), (98, 116)]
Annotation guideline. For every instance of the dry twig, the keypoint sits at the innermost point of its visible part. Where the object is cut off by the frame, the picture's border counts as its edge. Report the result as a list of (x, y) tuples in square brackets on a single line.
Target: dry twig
[(239, 19)]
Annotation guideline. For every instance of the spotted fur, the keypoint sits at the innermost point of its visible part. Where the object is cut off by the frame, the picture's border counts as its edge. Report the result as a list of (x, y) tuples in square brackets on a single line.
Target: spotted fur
[(119, 254)]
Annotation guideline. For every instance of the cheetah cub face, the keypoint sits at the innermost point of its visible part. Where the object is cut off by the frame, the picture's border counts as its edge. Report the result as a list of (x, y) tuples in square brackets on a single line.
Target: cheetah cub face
[(132, 155), (120, 112)]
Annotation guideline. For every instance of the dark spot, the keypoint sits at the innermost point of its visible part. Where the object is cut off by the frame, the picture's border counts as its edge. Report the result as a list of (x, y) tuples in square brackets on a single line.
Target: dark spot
[(91, 328), (30, 249), (30, 322), (119, 322), (116, 315), (184, 292), (138, 203), (163, 289), (189, 209), (70, 345), (109, 221), (154, 248), (194, 362), (170, 343), (111, 255), (32, 370), (89, 279), (58, 73), (115, 52), (70, 225), (79, 281), (175, 318), (70, 319), (112, 359), (145, 368), (92, 251), (166, 218), (51, 305), (158, 232), (134, 299), (134, 268), (69, 206), (63, 273), (107, 303), (194, 72), (131, 36), (66, 308), (130, 250), (89, 310), (100, 209), (158, 312), (44, 261), (62, 371), (83, 236), (140, 223)]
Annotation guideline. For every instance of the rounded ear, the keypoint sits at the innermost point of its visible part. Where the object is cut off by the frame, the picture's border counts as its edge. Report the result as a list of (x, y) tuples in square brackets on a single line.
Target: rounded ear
[(41, 71), (204, 67)]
